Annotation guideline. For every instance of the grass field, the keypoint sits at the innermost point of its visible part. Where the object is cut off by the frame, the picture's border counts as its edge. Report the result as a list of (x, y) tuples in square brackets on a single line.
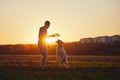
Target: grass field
[(26, 67)]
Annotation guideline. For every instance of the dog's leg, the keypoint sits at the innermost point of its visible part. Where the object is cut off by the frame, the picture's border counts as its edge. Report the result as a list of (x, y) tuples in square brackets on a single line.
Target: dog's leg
[(59, 60), (65, 63)]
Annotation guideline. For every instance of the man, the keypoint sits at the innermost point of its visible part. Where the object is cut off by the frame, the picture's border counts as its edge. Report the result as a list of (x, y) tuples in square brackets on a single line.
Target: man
[(42, 42)]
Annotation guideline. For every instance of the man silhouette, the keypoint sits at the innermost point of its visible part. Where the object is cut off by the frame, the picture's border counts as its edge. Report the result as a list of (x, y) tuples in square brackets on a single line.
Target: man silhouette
[(42, 42)]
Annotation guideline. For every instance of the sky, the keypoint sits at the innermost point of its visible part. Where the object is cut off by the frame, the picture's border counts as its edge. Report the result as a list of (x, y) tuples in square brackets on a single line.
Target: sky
[(20, 20)]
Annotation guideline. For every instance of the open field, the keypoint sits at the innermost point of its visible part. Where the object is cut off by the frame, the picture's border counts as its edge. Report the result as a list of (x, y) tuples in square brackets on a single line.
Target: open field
[(26, 67)]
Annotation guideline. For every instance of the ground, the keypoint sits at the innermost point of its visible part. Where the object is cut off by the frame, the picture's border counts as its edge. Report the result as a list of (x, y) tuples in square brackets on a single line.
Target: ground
[(81, 68)]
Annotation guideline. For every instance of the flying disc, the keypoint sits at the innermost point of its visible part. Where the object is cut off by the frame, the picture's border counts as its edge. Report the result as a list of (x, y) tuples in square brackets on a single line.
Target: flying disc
[(56, 34)]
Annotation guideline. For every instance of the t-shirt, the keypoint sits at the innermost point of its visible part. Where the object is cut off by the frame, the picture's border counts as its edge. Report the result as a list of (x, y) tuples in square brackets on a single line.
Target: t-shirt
[(42, 34)]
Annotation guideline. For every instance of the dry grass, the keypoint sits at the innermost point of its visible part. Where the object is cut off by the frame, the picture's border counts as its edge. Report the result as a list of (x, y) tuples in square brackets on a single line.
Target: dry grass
[(25, 67)]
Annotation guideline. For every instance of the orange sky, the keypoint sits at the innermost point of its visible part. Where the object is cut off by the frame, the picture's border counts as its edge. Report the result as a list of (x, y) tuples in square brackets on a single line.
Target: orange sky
[(73, 19)]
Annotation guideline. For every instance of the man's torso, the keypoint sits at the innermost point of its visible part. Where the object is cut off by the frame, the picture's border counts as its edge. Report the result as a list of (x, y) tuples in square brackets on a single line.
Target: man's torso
[(42, 34)]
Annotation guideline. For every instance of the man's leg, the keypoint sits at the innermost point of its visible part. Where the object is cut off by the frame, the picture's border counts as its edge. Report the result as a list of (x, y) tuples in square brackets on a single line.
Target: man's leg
[(44, 59), (43, 50)]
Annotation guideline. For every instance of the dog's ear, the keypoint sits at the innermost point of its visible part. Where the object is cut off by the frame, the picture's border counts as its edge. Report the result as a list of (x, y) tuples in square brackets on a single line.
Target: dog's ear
[(56, 41), (61, 41)]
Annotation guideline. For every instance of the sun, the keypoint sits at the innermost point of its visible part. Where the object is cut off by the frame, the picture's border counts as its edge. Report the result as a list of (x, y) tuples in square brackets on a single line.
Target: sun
[(51, 40)]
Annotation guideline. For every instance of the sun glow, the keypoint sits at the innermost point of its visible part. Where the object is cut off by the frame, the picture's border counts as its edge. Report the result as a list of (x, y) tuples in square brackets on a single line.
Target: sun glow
[(51, 40)]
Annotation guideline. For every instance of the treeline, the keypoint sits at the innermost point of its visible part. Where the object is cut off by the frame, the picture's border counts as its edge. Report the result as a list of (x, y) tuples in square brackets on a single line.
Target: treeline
[(73, 48), (19, 49)]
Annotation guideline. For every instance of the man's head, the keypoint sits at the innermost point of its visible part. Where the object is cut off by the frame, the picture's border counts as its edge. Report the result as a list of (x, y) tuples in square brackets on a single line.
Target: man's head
[(47, 24)]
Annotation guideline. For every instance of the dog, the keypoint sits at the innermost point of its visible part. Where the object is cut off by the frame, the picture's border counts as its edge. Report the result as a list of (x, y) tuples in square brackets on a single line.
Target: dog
[(61, 54)]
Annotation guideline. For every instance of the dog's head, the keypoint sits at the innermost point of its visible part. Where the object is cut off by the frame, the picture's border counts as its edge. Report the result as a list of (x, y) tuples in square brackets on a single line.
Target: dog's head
[(59, 42)]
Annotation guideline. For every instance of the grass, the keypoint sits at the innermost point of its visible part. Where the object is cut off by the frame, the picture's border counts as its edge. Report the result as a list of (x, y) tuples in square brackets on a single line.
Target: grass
[(81, 68)]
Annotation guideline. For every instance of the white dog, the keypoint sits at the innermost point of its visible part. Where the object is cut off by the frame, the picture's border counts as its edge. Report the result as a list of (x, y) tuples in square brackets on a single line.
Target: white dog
[(61, 54)]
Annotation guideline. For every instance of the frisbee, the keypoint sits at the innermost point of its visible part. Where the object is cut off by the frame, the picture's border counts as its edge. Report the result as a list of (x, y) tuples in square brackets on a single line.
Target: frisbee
[(56, 35)]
